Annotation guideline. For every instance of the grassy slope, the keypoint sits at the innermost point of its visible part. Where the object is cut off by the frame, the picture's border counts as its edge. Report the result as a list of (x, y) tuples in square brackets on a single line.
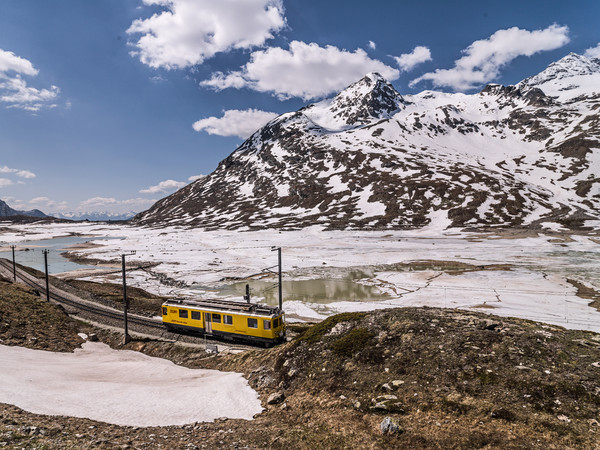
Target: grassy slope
[(464, 379), (27, 320)]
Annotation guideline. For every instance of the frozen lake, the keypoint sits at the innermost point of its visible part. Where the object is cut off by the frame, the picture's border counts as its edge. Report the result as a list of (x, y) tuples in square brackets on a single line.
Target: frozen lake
[(29, 253), (517, 273)]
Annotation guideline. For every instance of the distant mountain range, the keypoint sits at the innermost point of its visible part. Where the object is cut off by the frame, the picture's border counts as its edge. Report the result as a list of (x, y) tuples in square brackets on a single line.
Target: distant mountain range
[(370, 158), (94, 216), (7, 211)]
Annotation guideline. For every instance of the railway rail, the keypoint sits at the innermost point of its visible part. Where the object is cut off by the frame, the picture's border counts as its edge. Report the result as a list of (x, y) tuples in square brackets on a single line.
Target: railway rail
[(105, 315)]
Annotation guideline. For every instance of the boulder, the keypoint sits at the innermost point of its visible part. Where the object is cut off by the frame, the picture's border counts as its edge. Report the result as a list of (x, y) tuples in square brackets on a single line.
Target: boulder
[(275, 398), (391, 425)]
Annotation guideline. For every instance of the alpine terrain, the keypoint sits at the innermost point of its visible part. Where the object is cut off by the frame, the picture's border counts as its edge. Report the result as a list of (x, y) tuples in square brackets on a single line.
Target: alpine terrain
[(370, 158), (7, 211)]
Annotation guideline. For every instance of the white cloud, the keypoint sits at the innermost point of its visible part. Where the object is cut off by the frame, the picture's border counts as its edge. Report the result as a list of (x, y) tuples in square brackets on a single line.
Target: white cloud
[(164, 187), (407, 61), (187, 32), (98, 201), (139, 201), (158, 79), (5, 182), (18, 172), (235, 122), (305, 70), (45, 203), (113, 204), (9, 62), (483, 59), (14, 89), (25, 174), (593, 52), (195, 178), (372, 45), (39, 200)]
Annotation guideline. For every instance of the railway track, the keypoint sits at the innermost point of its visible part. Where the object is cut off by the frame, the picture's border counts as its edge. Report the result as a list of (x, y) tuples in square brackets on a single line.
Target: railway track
[(105, 315)]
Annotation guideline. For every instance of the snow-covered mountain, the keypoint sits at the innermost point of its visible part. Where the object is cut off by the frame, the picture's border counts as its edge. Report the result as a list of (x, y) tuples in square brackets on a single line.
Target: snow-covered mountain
[(371, 158), (95, 216), (7, 211), (567, 79)]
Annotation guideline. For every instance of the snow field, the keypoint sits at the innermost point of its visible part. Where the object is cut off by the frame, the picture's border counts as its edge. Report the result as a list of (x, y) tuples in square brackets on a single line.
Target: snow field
[(532, 286), (121, 387)]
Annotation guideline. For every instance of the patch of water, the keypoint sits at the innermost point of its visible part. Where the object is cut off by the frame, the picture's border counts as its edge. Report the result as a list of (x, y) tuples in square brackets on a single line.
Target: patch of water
[(320, 290), (29, 253)]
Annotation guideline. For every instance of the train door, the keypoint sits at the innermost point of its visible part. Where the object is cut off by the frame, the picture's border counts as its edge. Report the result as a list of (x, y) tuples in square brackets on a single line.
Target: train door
[(208, 323)]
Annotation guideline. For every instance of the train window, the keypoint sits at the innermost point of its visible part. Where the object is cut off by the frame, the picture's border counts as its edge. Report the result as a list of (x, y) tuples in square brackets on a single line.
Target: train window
[(196, 315), (216, 318), (183, 313), (252, 323), (276, 323), (267, 324), (164, 310), (227, 320)]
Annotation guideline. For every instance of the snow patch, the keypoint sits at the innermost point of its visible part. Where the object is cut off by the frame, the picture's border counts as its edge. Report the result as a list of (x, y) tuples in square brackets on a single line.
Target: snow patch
[(121, 387)]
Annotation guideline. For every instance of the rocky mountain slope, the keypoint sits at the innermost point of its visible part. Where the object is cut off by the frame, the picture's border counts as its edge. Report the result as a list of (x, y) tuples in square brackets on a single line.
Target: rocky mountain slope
[(371, 158), (7, 211)]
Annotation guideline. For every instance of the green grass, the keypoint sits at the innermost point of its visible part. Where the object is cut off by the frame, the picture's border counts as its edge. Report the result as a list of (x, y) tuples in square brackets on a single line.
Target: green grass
[(317, 331), (353, 342)]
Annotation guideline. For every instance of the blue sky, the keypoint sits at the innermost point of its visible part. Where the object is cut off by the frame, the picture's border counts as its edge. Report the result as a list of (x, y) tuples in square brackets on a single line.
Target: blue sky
[(113, 104)]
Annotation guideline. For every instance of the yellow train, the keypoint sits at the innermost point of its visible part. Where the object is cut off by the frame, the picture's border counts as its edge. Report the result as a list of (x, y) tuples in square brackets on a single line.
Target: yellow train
[(226, 319)]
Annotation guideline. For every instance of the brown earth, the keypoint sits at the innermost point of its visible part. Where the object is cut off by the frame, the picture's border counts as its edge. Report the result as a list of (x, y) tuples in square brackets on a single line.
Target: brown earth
[(452, 379)]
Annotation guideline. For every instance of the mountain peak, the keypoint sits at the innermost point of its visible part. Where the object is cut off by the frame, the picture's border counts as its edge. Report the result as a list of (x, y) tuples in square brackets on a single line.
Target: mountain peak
[(371, 97), (566, 78)]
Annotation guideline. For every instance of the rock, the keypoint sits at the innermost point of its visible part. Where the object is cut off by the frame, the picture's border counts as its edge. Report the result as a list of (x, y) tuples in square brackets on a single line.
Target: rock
[(93, 337), (397, 383), (391, 425), (275, 398), (265, 381), (490, 325), (380, 406), (31, 431), (386, 387), (388, 403), (357, 405)]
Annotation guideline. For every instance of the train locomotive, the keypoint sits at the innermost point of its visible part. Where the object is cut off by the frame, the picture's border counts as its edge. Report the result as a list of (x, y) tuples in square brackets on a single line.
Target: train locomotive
[(230, 320)]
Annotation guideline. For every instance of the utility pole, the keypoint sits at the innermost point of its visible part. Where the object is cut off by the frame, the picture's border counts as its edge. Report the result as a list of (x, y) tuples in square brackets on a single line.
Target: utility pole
[(45, 252), (14, 263), (279, 276), (247, 296), (126, 337)]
